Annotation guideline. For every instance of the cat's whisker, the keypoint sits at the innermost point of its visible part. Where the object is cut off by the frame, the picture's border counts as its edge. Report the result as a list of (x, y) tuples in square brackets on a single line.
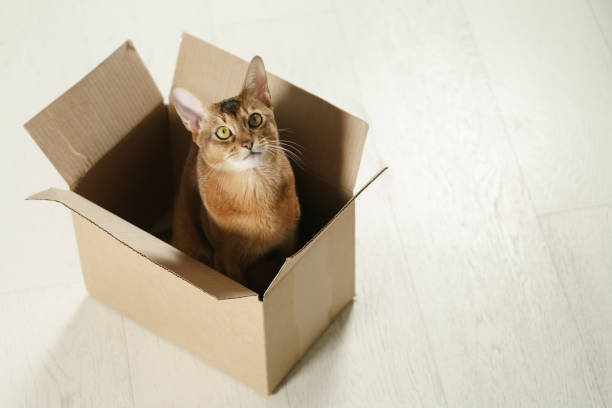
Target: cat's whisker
[(289, 154), (288, 142), (294, 156), (272, 146), (294, 149), (291, 142)]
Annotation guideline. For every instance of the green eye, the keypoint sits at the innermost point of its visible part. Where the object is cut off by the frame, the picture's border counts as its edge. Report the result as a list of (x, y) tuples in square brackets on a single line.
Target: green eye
[(223, 132), (255, 120)]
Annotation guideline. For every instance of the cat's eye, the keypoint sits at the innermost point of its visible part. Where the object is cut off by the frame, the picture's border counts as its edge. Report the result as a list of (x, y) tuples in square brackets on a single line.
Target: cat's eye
[(223, 132), (255, 120)]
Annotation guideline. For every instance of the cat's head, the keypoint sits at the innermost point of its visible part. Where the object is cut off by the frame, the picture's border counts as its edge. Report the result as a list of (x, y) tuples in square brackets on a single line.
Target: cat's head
[(235, 134)]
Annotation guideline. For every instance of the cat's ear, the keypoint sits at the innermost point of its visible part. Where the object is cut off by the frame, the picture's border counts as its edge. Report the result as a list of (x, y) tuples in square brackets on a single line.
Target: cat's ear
[(189, 108), (256, 82)]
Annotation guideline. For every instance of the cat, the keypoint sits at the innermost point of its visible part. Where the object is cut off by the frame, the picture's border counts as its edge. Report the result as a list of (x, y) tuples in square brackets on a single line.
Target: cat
[(236, 200)]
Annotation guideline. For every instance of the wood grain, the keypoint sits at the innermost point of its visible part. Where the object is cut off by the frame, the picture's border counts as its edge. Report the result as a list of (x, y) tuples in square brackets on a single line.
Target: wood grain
[(602, 14), (490, 296), (552, 77), (581, 245), (59, 347)]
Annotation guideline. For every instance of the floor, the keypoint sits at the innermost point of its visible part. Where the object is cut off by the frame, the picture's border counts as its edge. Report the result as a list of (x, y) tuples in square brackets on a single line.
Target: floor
[(484, 266)]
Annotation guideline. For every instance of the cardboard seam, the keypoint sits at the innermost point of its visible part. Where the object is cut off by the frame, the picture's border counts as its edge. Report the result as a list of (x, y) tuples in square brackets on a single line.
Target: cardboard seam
[(143, 255), (321, 231), (271, 288), (265, 344), (311, 240)]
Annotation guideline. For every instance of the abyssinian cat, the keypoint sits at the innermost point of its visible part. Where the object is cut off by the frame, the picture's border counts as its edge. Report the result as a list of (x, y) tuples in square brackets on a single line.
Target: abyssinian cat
[(237, 200)]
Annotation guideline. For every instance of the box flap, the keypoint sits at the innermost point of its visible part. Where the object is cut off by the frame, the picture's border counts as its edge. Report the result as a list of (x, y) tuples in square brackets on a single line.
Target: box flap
[(292, 260), (307, 299), (83, 124), (331, 139), (157, 251)]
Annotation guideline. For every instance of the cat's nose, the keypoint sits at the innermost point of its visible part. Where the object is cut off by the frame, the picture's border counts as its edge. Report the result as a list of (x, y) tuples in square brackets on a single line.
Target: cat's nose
[(248, 143)]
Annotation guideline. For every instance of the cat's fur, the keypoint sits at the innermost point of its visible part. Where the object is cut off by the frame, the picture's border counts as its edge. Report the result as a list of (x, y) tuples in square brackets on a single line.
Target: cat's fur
[(236, 201)]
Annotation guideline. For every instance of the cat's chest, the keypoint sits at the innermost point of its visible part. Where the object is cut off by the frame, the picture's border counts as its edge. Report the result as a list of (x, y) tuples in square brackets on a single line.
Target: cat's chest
[(248, 207)]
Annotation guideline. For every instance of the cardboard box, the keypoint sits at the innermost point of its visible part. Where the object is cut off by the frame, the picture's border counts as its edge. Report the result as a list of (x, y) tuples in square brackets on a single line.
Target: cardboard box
[(120, 149)]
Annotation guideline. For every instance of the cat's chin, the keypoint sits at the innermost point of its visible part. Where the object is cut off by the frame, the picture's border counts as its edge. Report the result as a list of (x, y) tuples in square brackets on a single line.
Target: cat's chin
[(249, 162)]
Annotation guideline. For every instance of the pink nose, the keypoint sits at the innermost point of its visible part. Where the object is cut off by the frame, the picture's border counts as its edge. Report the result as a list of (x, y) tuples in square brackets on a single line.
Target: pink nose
[(248, 144)]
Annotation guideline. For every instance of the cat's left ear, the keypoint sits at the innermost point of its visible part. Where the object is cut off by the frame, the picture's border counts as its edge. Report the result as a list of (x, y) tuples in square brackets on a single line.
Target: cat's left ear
[(189, 109), (256, 82)]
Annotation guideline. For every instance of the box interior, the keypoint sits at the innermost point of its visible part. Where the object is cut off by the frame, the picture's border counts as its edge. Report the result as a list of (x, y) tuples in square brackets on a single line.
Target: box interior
[(134, 181), (126, 148)]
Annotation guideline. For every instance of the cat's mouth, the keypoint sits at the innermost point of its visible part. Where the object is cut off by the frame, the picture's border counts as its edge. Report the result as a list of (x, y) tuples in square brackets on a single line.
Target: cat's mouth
[(252, 154)]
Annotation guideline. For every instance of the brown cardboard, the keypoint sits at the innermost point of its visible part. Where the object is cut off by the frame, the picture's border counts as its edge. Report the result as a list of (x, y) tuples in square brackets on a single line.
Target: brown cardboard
[(310, 295), (146, 245), (83, 124), (227, 334), (118, 146), (321, 234)]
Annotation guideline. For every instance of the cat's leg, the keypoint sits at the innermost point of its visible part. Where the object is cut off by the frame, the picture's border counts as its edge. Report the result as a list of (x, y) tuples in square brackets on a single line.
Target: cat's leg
[(187, 234), (229, 263), (187, 238), (289, 245)]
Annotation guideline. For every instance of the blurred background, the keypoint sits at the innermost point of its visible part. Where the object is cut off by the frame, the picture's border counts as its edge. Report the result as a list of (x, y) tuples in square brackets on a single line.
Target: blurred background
[(484, 256)]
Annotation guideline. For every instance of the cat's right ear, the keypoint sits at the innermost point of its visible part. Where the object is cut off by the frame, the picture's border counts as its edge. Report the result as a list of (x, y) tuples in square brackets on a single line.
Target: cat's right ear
[(189, 108), (256, 81)]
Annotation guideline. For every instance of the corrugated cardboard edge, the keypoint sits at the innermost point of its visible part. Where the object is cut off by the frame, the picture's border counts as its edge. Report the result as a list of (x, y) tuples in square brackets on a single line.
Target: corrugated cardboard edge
[(84, 123), (292, 260), (211, 282)]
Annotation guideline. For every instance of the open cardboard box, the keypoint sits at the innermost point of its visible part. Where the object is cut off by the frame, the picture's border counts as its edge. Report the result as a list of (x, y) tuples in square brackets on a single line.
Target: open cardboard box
[(121, 149)]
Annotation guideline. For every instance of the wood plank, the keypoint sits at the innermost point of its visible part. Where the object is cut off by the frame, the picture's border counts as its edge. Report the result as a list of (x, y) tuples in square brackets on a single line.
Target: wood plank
[(581, 245), (602, 13), (58, 348), (40, 250), (501, 329), (551, 73), (164, 375)]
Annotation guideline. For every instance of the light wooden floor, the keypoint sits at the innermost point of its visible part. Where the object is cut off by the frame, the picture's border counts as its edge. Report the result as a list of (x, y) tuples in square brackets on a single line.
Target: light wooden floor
[(484, 255)]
